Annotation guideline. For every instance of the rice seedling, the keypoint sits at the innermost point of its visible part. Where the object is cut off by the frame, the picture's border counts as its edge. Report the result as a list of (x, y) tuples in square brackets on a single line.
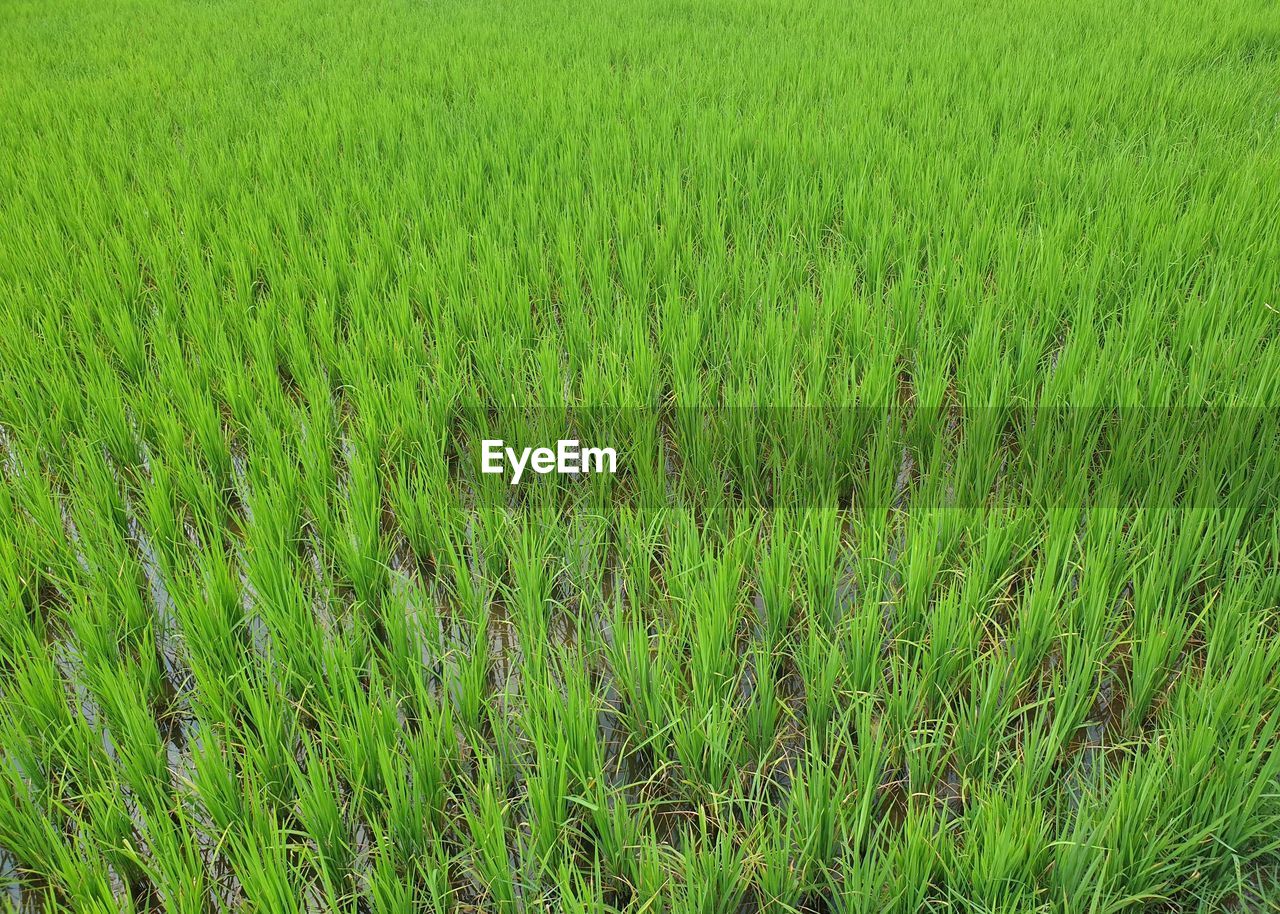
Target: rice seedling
[(937, 345)]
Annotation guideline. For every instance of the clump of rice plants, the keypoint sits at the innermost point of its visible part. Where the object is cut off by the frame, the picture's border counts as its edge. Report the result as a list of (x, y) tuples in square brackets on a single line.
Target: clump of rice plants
[(938, 347)]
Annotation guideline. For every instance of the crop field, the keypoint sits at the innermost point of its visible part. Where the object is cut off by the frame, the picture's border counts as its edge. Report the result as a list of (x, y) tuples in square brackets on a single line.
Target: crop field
[(937, 341)]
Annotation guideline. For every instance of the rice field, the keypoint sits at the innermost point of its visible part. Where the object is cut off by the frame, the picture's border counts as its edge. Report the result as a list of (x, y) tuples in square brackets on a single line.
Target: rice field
[(937, 341)]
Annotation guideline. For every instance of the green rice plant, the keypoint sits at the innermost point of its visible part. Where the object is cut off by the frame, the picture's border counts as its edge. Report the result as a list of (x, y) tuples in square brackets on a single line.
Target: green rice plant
[(579, 894), (433, 875), (1005, 854), (861, 883), (547, 799), (916, 860), (109, 822), (469, 674), (821, 547), (215, 783), (431, 762), (815, 815), (262, 867), (388, 889), (937, 346), (708, 742), (362, 554), (486, 814), (776, 572), (615, 828), (712, 876), (174, 865), (323, 818), (777, 878), (982, 723), (642, 665), (821, 662), (764, 712)]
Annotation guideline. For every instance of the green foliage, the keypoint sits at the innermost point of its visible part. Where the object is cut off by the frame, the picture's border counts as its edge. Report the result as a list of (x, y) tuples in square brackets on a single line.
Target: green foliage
[(938, 344)]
